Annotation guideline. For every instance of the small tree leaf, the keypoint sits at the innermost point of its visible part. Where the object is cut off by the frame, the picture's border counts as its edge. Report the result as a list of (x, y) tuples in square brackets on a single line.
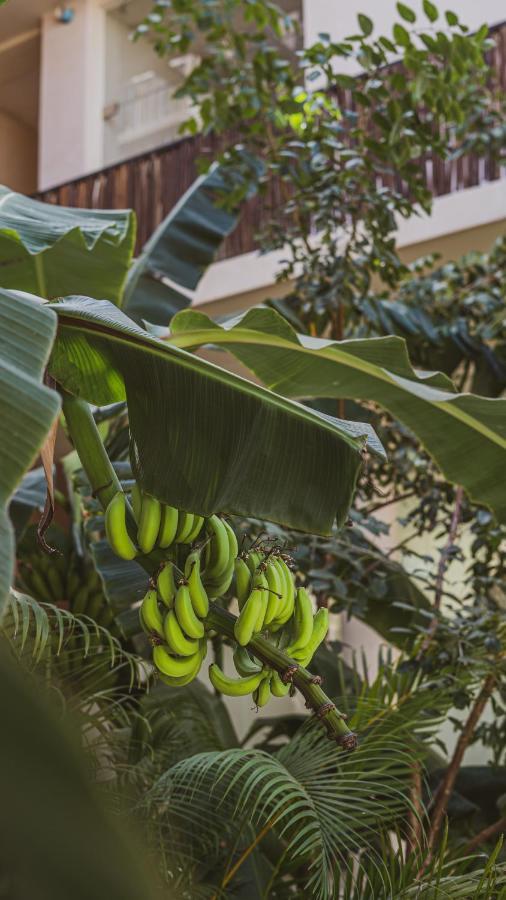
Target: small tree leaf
[(401, 36), (406, 12), (430, 11), (366, 24), (451, 17)]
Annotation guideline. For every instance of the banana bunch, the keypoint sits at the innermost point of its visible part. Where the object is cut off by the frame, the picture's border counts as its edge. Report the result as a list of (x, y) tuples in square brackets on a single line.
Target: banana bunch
[(66, 582), (172, 615), (265, 589), (158, 525)]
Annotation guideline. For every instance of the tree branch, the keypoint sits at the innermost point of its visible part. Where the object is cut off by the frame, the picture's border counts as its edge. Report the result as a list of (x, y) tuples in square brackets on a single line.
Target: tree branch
[(105, 484), (444, 790), (486, 834)]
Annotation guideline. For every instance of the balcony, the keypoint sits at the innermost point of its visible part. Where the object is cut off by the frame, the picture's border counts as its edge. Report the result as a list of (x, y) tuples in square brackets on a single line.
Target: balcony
[(152, 182)]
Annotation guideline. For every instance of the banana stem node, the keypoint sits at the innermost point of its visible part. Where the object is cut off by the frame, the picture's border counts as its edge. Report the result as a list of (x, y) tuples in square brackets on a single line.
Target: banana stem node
[(288, 674)]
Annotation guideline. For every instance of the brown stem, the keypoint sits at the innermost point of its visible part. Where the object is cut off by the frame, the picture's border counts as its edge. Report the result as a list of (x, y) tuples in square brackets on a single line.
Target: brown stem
[(441, 569), (444, 790), (416, 811), (486, 834)]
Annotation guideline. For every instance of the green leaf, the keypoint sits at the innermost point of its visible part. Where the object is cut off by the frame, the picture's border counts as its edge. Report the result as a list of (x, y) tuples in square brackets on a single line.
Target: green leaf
[(406, 12), (430, 11), (51, 250), (181, 249), (366, 24), (27, 408), (401, 36), (452, 18), (57, 839), (204, 439), (456, 429)]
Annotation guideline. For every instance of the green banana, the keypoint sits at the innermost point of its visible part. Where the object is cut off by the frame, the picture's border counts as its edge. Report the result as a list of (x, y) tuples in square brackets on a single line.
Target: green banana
[(319, 633), (233, 687), (287, 607), (166, 584), (175, 638), (55, 582), (149, 614), (149, 523), (216, 587), (233, 548), (80, 600), (185, 527), (95, 603), (168, 526), (218, 549), (278, 687), (253, 560), (275, 587), (242, 581), (199, 597), (40, 586), (244, 626), (116, 529), (244, 664), (260, 582), (262, 695), (182, 680), (106, 616), (302, 621), (197, 528), (175, 667), (191, 625)]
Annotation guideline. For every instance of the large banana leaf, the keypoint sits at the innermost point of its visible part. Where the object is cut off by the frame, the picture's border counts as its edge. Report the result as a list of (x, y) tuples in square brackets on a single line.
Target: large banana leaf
[(204, 439), (27, 408), (465, 434), (53, 250), (180, 250)]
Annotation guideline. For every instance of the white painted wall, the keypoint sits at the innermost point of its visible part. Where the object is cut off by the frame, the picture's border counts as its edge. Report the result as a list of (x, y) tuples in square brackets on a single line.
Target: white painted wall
[(340, 19), (71, 94)]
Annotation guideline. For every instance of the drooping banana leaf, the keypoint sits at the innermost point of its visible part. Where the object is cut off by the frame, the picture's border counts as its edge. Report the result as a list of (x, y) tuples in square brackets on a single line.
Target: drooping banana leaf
[(465, 434), (204, 439), (27, 407), (53, 250), (181, 249)]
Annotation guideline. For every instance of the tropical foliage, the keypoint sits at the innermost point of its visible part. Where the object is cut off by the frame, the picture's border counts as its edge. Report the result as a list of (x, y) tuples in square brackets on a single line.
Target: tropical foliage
[(278, 812)]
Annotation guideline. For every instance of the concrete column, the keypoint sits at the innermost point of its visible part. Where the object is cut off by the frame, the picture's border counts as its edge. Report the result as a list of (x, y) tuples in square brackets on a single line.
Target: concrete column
[(71, 94)]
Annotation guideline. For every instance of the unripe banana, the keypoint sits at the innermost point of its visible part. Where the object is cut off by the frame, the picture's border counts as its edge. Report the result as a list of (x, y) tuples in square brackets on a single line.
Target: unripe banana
[(73, 583), (244, 626), (233, 548), (173, 666), (106, 616), (183, 680), (95, 603), (149, 523), (166, 584), (216, 587), (275, 586), (244, 664), (191, 625), (278, 687), (262, 695), (116, 530), (320, 629), (175, 638), (185, 527), (302, 621), (253, 560), (197, 528), (55, 582), (233, 687), (149, 614), (218, 549), (168, 526), (260, 582), (242, 581), (199, 597), (80, 600), (286, 610), (136, 498), (40, 586)]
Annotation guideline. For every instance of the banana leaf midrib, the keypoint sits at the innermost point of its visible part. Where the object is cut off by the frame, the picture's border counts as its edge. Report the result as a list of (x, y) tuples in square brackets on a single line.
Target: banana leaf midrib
[(222, 376), (198, 338)]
